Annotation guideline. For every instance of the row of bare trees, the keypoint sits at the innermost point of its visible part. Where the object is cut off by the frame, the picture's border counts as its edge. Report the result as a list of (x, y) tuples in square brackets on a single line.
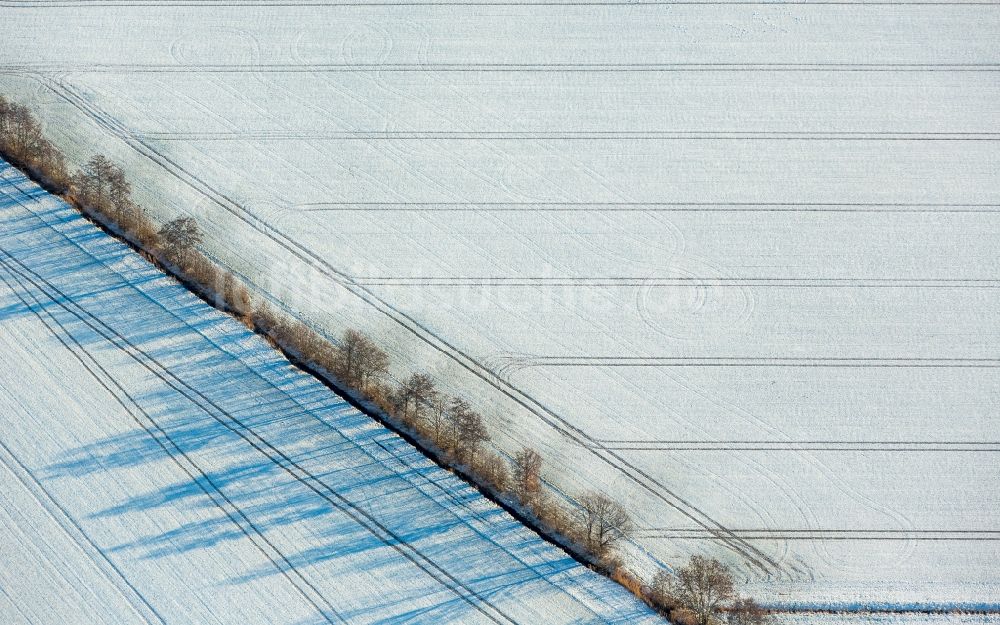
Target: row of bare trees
[(23, 143), (700, 593), (458, 433), (451, 430), (99, 188), (448, 428)]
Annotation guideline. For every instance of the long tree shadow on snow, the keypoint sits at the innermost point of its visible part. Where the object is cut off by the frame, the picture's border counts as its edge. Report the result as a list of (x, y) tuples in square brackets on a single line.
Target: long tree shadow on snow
[(270, 452), (275, 501)]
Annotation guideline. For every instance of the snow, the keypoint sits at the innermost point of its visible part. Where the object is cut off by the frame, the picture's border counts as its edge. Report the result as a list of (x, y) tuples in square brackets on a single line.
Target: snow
[(734, 264), (890, 619), (161, 464)]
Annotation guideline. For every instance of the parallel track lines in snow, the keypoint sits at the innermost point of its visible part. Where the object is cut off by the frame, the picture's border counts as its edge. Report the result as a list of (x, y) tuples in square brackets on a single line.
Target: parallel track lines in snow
[(645, 207), (750, 361), (313, 68), (640, 477), (780, 445), (302, 411), (153, 429), (694, 282), (58, 513), (566, 135), (832, 534), (233, 512), (273, 454)]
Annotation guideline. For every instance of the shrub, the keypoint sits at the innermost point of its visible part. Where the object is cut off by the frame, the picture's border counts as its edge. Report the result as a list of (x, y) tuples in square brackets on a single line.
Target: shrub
[(684, 616), (659, 592), (746, 611), (381, 395), (235, 296), (493, 471), (560, 521), (626, 578), (526, 476)]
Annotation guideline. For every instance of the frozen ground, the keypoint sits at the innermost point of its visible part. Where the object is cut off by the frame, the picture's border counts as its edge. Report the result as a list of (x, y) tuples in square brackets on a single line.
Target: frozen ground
[(162, 465), (736, 264)]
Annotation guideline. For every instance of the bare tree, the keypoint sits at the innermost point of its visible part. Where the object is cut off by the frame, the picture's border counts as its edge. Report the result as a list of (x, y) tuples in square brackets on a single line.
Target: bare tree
[(4, 119), (493, 470), (53, 167), (468, 430), (120, 197), (103, 173), (23, 132), (22, 141), (180, 235), (7, 115), (660, 590), (233, 295), (449, 434), (416, 396), (372, 363), (93, 184), (746, 611), (605, 522), (526, 476), (347, 352), (359, 360), (437, 411), (703, 586)]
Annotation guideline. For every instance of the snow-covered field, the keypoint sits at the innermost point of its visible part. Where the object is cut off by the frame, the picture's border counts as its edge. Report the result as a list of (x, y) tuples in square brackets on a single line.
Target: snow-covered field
[(163, 465), (736, 264)]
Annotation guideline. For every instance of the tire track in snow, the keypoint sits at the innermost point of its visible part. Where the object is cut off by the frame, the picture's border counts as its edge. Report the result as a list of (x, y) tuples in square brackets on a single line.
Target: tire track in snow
[(310, 68), (306, 412), (173, 450), (293, 468), (685, 281), (642, 478), (68, 524), (525, 362), (648, 207), (540, 576), (563, 135)]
